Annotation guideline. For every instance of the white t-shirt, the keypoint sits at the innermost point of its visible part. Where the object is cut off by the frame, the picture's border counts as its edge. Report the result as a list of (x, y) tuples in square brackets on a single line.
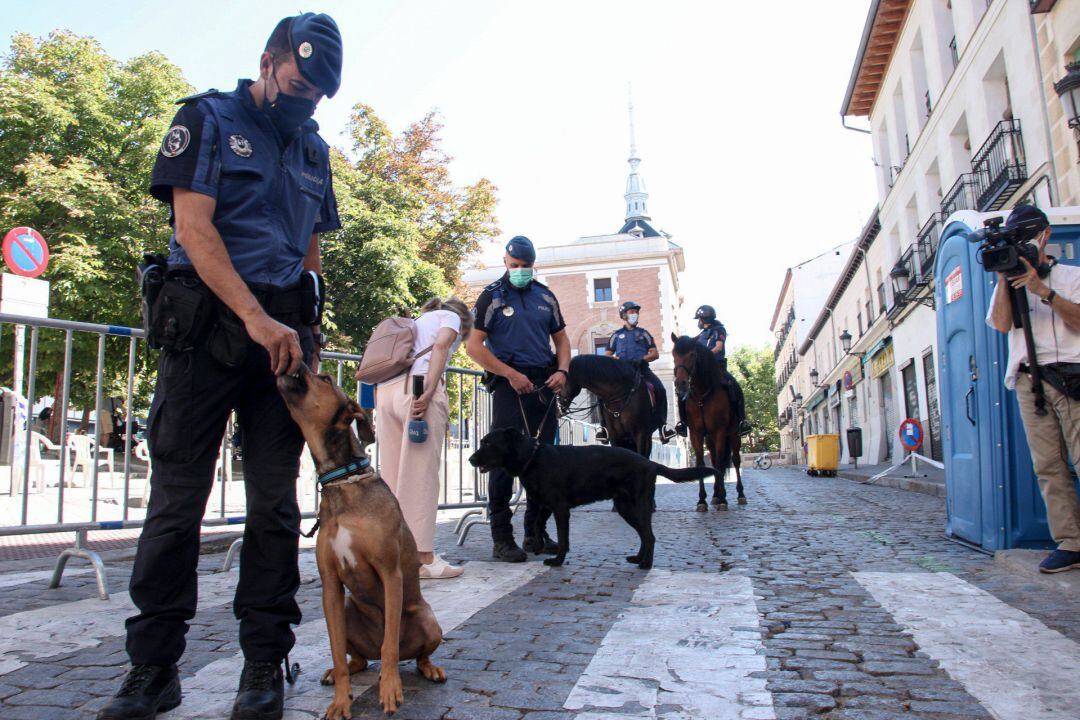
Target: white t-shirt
[(428, 326), (1054, 342)]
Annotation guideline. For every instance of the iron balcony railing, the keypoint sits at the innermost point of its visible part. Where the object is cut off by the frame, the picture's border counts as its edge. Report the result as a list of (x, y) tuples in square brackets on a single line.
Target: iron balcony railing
[(926, 244), (999, 166), (907, 259), (961, 196)]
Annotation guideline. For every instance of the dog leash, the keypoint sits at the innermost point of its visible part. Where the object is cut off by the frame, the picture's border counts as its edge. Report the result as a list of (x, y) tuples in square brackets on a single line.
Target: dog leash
[(351, 472), (547, 412)]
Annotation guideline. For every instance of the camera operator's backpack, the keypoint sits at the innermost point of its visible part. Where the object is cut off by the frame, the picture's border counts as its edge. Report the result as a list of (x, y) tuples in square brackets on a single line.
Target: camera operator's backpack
[(389, 351)]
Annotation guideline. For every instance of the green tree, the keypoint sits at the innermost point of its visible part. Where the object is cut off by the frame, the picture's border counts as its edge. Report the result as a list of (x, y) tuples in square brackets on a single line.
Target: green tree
[(753, 368), (79, 133), (78, 136)]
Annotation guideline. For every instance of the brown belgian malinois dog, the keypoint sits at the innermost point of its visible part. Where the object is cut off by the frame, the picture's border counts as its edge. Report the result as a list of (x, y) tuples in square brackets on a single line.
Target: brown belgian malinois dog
[(363, 545)]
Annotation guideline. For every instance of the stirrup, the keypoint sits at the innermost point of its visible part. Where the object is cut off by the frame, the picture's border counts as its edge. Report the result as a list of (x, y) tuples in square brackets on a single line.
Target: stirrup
[(680, 429), (602, 436)]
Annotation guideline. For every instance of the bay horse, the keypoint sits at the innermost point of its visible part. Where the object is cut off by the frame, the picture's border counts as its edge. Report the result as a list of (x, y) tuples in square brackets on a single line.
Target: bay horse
[(621, 392), (700, 383)]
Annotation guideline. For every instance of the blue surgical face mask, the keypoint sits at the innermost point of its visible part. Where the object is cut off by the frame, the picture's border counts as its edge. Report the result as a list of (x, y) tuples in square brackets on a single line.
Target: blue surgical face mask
[(632, 318), (520, 277), (288, 112), (700, 325)]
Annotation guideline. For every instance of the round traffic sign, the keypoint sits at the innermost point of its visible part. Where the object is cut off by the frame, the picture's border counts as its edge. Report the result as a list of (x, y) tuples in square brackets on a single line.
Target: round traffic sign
[(25, 252), (911, 434)]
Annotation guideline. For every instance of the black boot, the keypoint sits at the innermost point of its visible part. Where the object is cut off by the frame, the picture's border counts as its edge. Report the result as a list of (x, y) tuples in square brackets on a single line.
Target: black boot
[(146, 691), (261, 695), (744, 427), (508, 551), (536, 546), (680, 429)]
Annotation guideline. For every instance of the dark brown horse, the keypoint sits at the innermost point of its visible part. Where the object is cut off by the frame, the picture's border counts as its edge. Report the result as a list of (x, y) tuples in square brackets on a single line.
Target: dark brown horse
[(700, 382), (621, 392)]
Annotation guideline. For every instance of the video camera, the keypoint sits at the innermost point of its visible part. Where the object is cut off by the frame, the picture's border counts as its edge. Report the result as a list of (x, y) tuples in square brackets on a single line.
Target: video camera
[(1002, 248)]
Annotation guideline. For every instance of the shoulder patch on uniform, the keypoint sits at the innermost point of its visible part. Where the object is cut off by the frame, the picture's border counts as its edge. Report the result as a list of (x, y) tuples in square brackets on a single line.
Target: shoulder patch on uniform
[(196, 96), (540, 284), (494, 285), (176, 141)]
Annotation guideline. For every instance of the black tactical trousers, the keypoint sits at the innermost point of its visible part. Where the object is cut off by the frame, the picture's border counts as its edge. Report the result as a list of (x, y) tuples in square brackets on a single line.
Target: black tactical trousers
[(505, 412), (192, 401)]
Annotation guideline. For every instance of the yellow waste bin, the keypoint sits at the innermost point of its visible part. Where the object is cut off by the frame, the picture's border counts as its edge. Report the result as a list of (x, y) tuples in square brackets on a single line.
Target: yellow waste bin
[(822, 455)]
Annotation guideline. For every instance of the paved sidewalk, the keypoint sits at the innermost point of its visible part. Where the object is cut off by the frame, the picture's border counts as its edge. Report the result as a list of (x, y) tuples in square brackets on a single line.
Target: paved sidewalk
[(927, 479), (820, 598)]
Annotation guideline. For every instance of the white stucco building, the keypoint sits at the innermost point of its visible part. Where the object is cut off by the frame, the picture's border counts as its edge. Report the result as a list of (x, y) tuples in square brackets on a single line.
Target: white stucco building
[(954, 98)]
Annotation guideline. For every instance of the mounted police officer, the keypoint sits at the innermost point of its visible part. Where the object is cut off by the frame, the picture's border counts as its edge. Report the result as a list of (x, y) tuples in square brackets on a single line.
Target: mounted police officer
[(517, 321), (713, 335), (635, 344), (248, 182)]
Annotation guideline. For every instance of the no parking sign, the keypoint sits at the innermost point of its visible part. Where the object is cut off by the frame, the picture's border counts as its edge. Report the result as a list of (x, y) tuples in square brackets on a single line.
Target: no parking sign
[(25, 252), (911, 434)]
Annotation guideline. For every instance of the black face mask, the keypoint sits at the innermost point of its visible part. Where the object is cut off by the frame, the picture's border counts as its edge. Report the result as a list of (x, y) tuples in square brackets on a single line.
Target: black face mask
[(288, 112)]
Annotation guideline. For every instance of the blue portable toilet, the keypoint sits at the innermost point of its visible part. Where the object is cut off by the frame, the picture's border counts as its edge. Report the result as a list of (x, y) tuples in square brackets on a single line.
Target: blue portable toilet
[(993, 499)]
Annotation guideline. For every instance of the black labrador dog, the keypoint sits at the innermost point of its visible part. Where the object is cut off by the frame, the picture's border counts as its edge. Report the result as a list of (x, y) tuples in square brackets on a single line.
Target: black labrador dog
[(566, 476)]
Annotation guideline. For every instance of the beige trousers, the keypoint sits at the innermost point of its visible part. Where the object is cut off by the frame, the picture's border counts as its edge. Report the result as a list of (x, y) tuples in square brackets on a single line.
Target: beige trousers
[(1053, 439), (411, 469)]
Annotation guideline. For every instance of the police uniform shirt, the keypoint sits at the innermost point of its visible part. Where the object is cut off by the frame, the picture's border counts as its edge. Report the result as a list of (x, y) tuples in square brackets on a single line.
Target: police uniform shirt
[(272, 193), (713, 334), (519, 323), (632, 344)]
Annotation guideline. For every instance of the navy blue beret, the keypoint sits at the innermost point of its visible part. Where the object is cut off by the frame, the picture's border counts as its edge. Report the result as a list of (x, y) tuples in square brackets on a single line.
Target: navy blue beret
[(521, 248), (316, 45)]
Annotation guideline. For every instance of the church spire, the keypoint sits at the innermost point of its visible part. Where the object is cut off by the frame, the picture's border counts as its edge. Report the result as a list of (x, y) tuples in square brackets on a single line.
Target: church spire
[(636, 196)]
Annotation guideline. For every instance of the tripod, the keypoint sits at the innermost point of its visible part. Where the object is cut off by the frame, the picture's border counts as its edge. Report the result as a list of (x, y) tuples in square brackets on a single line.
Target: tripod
[(1021, 312)]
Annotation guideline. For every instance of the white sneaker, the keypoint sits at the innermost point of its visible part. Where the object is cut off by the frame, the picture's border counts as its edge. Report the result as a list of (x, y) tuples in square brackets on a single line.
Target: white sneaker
[(439, 569)]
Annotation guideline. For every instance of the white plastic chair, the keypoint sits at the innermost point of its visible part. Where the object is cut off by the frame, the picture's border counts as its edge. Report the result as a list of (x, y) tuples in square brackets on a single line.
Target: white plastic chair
[(81, 452), (38, 465)]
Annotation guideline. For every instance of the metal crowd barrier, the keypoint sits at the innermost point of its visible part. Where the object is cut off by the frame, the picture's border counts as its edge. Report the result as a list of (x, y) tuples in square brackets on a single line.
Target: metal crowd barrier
[(26, 508)]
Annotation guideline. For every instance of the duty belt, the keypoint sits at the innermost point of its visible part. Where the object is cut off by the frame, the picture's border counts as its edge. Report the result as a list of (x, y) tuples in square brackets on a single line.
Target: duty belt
[(278, 302)]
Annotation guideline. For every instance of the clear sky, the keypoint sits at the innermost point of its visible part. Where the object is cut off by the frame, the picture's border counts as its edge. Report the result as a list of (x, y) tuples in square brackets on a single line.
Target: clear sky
[(737, 112)]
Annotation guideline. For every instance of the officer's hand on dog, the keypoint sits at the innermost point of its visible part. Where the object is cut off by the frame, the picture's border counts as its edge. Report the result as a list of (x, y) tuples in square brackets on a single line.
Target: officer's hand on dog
[(521, 384), (281, 342)]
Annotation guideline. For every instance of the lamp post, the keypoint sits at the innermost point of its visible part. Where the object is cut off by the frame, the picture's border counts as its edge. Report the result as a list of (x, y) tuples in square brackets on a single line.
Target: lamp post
[(1068, 91)]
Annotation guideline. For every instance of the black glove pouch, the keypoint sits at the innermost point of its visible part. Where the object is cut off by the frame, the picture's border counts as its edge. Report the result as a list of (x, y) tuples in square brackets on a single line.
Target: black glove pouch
[(228, 341), (181, 314)]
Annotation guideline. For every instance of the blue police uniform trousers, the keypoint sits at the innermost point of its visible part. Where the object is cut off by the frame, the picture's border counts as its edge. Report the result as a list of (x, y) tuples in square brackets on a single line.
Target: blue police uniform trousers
[(192, 401), (505, 412)]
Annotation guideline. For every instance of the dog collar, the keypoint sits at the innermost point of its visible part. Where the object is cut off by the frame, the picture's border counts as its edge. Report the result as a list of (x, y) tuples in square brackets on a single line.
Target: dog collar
[(356, 467)]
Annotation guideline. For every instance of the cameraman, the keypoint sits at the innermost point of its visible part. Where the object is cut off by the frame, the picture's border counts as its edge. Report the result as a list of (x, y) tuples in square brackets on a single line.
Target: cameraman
[(1053, 292)]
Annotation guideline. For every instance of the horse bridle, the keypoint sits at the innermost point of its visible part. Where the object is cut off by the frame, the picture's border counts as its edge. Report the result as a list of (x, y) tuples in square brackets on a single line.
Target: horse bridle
[(606, 404), (690, 385)]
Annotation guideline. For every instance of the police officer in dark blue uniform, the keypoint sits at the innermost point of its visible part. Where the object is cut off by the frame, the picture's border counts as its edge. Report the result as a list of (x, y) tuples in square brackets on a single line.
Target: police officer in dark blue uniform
[(248, 181), (635, 344), (517, 321), (713, 335)]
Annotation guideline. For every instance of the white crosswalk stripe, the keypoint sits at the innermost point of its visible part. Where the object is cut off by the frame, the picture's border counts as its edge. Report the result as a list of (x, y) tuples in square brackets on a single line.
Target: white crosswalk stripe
[(685, 647), (211, 691), (1017, 667), (82, 624)]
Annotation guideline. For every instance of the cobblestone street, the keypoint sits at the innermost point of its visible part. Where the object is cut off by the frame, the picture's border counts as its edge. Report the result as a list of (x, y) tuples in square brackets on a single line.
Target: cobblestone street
[(820, 598)]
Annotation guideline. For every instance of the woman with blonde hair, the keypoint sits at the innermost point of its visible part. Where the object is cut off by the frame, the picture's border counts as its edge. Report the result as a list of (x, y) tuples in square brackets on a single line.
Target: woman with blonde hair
[(411, 469)]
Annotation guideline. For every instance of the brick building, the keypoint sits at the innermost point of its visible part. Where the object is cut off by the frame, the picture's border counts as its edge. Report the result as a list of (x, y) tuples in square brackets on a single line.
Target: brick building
[(593, 275)]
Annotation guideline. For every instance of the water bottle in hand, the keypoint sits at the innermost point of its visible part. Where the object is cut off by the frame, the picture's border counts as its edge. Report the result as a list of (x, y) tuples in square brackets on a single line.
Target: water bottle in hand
[(418, 429)]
